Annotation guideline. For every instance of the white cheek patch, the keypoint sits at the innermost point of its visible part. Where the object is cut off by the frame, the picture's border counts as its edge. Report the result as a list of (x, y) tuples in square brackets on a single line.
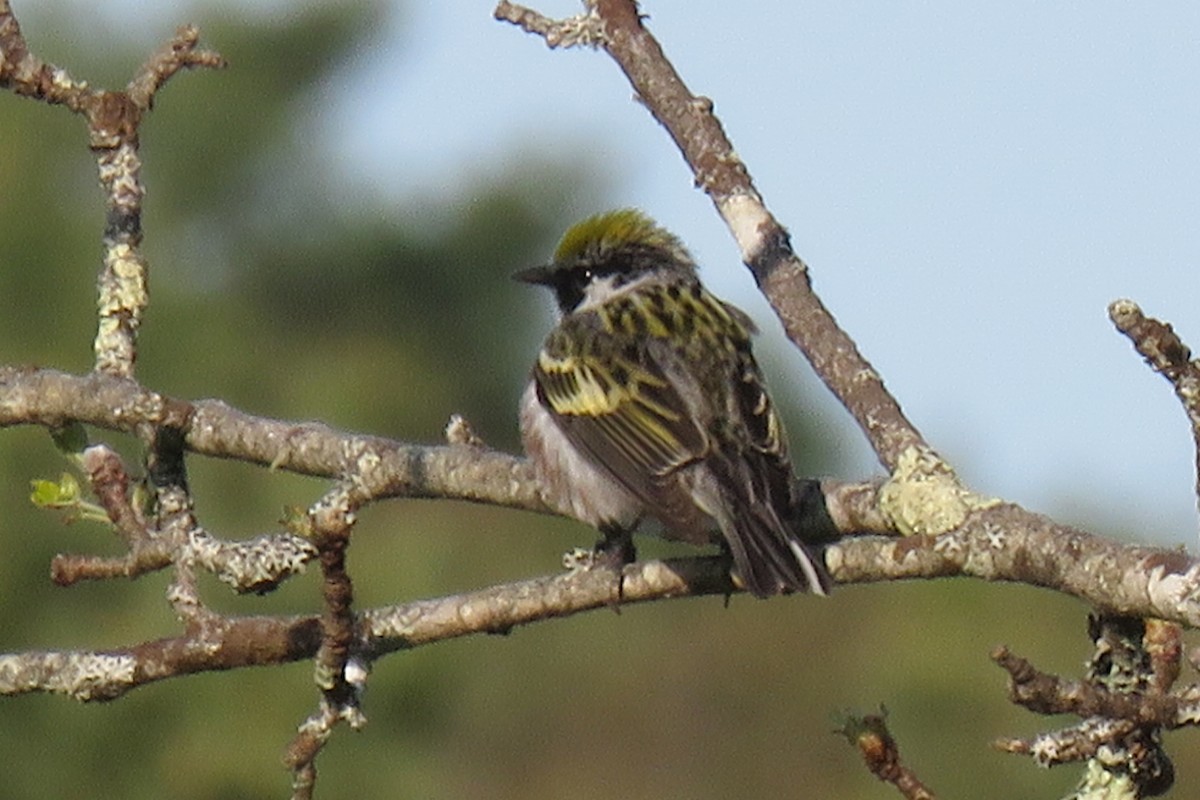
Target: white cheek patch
[(603, 289), (598, 291)]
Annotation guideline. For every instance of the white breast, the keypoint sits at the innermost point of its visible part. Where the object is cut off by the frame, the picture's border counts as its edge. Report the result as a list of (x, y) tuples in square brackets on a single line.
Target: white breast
[(570, 483)]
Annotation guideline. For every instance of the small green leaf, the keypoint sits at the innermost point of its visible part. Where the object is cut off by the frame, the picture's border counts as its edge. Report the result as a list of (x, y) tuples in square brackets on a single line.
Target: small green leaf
[(66, 495), (48, 494)]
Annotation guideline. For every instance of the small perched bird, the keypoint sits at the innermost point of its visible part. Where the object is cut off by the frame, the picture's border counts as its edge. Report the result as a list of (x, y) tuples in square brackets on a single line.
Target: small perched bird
[(646, 400)]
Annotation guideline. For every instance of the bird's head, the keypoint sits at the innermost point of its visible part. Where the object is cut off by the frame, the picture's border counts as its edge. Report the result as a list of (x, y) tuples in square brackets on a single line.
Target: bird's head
[(602, 254)]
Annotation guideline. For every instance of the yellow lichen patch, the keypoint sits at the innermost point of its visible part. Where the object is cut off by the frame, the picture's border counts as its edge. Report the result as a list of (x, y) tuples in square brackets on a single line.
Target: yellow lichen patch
[(924, 495)]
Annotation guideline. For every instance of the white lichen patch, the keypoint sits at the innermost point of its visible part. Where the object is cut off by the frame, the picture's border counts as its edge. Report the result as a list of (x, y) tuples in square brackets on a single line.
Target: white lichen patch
[(950, 545), (255, 565), (367, 461), (578, 558), (1180, 592), (356, 672), (997, 538), (656, 573), (746, 217), (128, 292), (94, 676), (63, 81)]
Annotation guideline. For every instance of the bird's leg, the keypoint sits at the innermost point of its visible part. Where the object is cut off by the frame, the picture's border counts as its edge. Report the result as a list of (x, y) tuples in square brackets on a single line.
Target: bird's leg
[(730, 567), (614, 551)]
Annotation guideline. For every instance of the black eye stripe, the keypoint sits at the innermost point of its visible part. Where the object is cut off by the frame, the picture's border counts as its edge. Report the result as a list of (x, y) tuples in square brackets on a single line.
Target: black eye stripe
[(619, 266), (615, 264)]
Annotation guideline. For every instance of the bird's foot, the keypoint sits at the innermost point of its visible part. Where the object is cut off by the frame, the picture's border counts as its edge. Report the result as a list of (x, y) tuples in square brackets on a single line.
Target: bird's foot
[(611, 553)]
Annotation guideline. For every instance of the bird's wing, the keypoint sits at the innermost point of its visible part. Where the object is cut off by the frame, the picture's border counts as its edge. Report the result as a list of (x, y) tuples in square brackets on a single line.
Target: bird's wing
[(618, 407)]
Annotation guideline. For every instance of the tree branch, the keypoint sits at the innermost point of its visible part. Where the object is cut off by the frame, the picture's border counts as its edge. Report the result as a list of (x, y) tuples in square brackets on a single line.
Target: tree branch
[(875, 743), (331, 520), (1124, 704), (383, 468), (1167, 355), (1145, 582), (994, 541), (113, 120)]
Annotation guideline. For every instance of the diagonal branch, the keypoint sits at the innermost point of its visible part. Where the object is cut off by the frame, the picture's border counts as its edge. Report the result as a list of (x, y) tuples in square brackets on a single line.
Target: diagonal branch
[(881, 753), (764, 243), (26, 75), (1167, 355), (231, 642)]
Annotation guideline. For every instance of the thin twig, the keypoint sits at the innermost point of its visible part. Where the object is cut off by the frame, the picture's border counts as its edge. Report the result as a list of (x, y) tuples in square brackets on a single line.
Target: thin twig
[(1124, 704), (183, 51), (870, 734), (582, 29), (26, 75), (1167, 355), (331, 520), (1044, 693)]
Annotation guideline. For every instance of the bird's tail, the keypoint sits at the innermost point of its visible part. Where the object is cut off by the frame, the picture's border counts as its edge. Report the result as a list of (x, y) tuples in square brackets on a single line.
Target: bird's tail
[(769, 558)]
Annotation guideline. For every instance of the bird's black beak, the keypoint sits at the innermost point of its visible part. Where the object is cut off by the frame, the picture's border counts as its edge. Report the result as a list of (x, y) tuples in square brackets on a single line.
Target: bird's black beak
[(541, 275)]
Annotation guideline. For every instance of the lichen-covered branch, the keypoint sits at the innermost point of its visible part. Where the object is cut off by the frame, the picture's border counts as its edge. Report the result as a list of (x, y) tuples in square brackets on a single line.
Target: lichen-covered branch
[(992, 541), (1125, 703), (1167, 355), (1008, 543), (581, 29), (381, 467), (113, 119), (26, 75), (220, 643), (1146, 581)]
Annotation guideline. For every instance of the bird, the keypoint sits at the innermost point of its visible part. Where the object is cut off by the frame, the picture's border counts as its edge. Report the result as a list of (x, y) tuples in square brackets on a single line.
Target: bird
[(645, 401)]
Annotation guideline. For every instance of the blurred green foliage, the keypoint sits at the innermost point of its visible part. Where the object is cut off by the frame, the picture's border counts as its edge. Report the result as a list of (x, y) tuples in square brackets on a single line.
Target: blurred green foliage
[(270, 294)]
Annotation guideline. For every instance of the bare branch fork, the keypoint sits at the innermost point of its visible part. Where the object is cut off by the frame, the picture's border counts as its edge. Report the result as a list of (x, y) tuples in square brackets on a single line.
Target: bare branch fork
[(948, 529)]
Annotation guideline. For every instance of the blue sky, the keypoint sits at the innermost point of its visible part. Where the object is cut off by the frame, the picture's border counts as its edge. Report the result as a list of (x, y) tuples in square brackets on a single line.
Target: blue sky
[(971, 185)]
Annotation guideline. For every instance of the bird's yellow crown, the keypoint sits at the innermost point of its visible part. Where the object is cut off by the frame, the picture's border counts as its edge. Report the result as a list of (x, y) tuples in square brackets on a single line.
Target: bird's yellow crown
[(604, 233)]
